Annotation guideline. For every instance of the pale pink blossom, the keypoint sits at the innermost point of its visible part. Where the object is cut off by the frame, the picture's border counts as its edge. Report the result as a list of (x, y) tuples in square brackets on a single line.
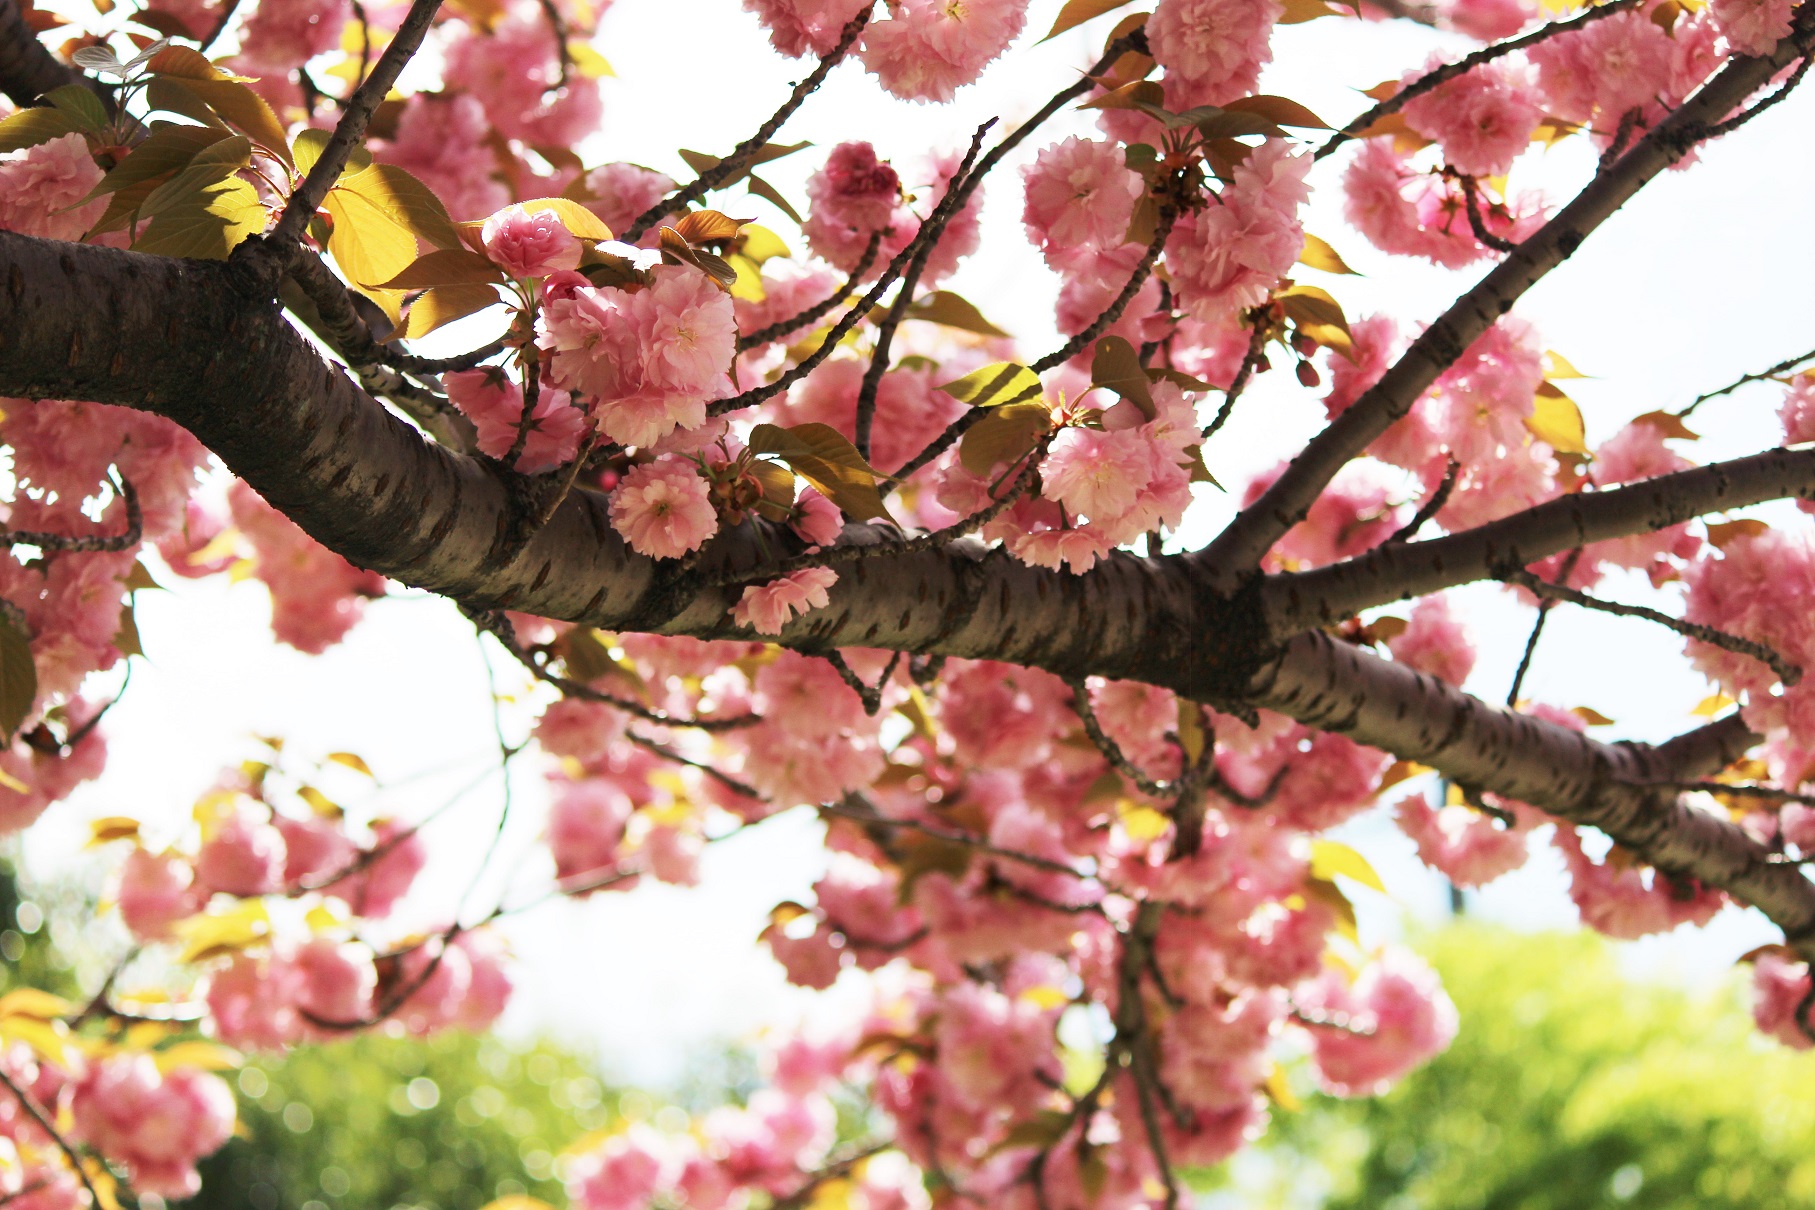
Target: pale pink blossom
[(1797, 411), (1096, 473), (280, 34), (816, 519), (387, 878), (619, 192), (800, 27), (155, 891), (852, 197), (245, 856), (1405, 1013), (39, 186), (1468, 847), (526, 244), (1625, 900), (1779, 987), (314, 848), (586, 828), (441, 140), (768, 607), (316, 596), (663, 509), (1079, 195), (928, 49), (1212, 50), (1483, 118), (1435, 642), (335, 981), (513, 70), (622, 1172), (157, 1125), (495, 406), (1231, 254), (1487, 20)]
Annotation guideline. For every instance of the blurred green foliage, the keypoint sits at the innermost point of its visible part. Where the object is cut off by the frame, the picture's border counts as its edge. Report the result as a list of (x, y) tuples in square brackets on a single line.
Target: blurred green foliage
[(375, 1122), (1569, 1087)]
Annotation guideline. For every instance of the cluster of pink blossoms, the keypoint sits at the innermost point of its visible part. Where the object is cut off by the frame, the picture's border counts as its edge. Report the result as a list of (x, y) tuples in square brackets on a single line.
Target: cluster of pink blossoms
[(923, 50)]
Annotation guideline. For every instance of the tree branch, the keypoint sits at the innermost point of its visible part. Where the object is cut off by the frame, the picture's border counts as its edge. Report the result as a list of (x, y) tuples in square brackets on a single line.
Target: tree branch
[(27, 69), (1238, 550), (1297, 601)]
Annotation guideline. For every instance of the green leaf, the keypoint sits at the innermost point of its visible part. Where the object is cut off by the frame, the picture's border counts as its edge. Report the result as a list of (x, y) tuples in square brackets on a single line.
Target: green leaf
[(170, 96), (184, 63), (1319, 255), (1117, 367), (308, 147), (996, 385), (367, 243), (1076, 12), (80, 104), (30, 127), (240, 108), (1330, 858), (210, 166), (208, 224), (820, 454), (18, 677), (1004, 436), (1556, 420), (953, 311), (446, 267), (168, 148), (773, 196), (443, 305)]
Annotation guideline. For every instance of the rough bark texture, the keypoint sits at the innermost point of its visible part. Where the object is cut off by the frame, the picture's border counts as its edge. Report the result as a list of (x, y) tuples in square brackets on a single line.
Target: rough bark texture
[(27, 69), (203, 344)]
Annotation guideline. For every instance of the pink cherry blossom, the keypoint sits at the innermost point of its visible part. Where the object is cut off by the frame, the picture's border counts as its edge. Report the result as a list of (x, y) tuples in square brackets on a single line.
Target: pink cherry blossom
[(1079, 195), (526, 244), (157, 1125), (316, 596), (1483, 118), (1405, 1013), (769, 607), (495, 406), (853, 196), (1434, 642), (663, 510), (155, 891), (586, 828), (282, 33), (245, 856), (1487, 20), (1096, 473), (441, 140), (619, 192), (1212, 50), (514, 72), (816, 518), (1779, 987), (928, 49), (1468, 847), (1231, 254), (800, 27), (388, 876), (1624, 900), (39, 186)]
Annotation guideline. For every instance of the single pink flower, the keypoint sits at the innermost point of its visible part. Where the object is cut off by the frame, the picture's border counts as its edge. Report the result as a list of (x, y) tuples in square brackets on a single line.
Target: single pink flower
[(663, 510), (769, 607), (526, 244)]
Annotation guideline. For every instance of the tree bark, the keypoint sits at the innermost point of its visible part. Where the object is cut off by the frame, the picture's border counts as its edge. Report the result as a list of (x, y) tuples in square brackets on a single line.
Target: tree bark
[(204, 344)]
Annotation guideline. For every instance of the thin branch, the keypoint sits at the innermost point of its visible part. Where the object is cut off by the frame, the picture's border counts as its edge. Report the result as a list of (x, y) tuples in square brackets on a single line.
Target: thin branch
[(36, 1112), (885, 331), (1112, 751), (1782, 367), (867, 814), (871, 695), (1257, 343), (557, 26), (135, 529), (823, 307), (351, 128), (1733, 123), (1545, 605), (666, 753), (1080, 341), (499, 627), (1431, 507), (1471, 199), (1786, 671), (741, 156), (228, 9), (1440, 76)]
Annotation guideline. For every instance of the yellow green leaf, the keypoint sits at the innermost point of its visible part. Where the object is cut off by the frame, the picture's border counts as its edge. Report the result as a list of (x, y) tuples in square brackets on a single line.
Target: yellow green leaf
[(1556, 420), (369, 246), (1330, 858), (1319, 255), (34, 1003), (407, 202), (445, 267), (996, 385), (1322, 890), (1142, 823), (588, 62), (443, 305), (1591, 716), (1669, 424), (1116, 366), (320, 803), (109, 827), (822, 456), (576, 218), (242, 109), (1281, 111), (48, 1039), (1319, 316), (206, 225), (1076, 12), (195, 1055), (213, 934), (952, 311), (30, 127), (351, 761), (168, 148), (1713, 704), (1280, 1091), (1300, 11), (760, 244), (18, 677), (1557, 366), (1004, 436), (308, 146)]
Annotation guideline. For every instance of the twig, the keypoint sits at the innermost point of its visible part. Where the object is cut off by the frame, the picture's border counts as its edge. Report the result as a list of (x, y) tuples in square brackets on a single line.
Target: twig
[(1782, 367), (740, 157), (1440, 76), (1767, 793), (666, 753), (870, 694), (1786, 671), (1111, 313), (869, 816), (1475, 221), (1257, 343), (823, 307), (1112, 751), (135, 528), (885, 331), (352, 125), (28, 1103), (558, 27), (220, 25), (1431, 507), (1717, 129), (1545, 605)]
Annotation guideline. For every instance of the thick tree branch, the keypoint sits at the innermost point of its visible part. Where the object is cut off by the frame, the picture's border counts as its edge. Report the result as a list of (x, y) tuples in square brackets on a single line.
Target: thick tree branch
[(202, 344), (1238, 550), (1337, 686), (1400, 571)]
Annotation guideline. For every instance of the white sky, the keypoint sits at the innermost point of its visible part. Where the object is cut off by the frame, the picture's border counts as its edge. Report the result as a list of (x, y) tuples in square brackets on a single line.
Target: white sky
[(1700, 279)]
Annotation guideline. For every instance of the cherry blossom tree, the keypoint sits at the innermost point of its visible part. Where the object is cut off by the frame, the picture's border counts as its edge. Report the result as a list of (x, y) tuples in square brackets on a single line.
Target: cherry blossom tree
[(777, 521)]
